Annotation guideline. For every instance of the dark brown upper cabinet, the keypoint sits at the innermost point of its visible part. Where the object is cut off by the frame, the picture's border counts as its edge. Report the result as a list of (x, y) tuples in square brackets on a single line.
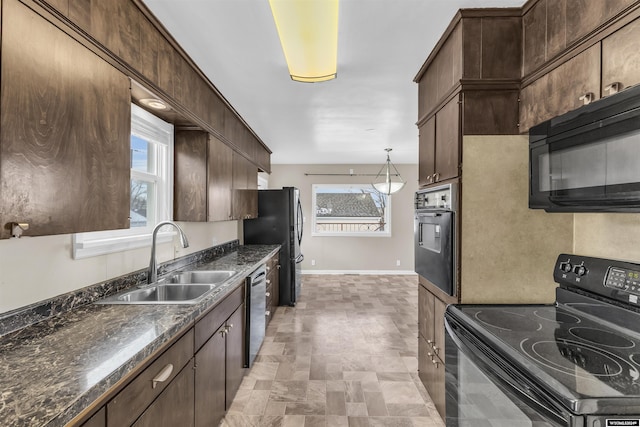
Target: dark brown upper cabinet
[(480, 47), (561, 90), (468, 85), (220, 180), (245, 188), (621, 59), (211, 181), (551, 27), (190, 175), (64, 134)]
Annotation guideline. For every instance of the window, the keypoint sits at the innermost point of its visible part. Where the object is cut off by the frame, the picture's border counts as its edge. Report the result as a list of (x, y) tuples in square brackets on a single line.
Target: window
[(350, 210), (151, 189)]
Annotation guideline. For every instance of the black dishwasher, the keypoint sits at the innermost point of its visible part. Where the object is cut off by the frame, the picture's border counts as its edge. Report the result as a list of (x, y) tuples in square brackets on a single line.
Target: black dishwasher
[(256, 305)]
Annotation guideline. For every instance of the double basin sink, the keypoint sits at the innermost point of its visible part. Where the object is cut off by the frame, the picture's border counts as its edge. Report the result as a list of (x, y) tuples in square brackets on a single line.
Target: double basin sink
[(187, 287)]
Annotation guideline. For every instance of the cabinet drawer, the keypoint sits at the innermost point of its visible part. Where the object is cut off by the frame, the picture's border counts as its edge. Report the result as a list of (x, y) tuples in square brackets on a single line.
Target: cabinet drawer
[(175, 406), (208, 325), (127, 406)]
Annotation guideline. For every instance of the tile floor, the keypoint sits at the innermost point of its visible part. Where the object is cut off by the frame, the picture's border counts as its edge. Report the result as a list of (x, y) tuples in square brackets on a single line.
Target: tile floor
[(346, 355)]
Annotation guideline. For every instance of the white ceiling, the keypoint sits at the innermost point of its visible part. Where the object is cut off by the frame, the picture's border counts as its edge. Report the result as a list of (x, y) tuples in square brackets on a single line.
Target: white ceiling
[(370, 106)]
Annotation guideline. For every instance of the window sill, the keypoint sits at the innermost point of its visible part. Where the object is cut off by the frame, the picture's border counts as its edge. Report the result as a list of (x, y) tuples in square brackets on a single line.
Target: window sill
[(85, 248)]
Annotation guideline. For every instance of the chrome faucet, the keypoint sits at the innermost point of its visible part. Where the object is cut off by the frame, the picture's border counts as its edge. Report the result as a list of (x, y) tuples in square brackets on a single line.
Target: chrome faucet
[(152, 277)]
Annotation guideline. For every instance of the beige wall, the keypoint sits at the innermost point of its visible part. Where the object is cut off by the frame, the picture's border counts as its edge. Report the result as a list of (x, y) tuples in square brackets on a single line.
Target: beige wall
[(615, 236), (508, 250), (36, 268), (353, 254)]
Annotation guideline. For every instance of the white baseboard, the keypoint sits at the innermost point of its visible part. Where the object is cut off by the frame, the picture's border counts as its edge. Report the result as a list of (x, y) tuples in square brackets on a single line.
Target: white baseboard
[(362, 272)]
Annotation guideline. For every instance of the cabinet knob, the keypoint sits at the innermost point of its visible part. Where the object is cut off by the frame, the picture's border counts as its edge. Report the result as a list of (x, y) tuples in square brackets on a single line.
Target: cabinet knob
[(587, 98), (435, 362), (430, 342), (436, 176), (267, 313), (267, 294), (164, 374), (268, 281), (612, 88)]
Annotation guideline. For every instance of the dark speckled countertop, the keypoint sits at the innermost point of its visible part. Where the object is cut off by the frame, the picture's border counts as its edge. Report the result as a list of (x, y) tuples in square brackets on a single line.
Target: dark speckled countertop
[(52, 370)]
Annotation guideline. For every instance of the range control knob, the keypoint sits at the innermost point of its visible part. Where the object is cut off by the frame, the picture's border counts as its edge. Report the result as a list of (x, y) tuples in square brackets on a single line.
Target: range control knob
[(580, 270), (566, 267)]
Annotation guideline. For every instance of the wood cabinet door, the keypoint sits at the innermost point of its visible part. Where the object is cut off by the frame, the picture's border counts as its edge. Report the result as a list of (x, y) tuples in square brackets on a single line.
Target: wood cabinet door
[(220, 176), (175, 406), (235, 354), (424, 312), (426, 151), (65, 124), (210, 381), (251, 171), (560, 90), (437, 389), (438, 327), (621, 58), (190, 175), (245, 188), (447, 155), (99, 419)]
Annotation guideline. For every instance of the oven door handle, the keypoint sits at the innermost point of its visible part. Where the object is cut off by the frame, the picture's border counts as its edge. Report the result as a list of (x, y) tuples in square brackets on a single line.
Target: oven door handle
[(496, 371)]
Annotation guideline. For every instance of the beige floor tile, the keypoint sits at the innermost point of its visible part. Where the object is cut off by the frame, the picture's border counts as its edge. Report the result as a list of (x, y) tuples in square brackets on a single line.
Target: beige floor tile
[(345, 355)]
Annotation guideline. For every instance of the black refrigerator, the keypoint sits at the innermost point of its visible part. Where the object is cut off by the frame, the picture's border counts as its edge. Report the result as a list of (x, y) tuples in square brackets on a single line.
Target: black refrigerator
[(280, 222)]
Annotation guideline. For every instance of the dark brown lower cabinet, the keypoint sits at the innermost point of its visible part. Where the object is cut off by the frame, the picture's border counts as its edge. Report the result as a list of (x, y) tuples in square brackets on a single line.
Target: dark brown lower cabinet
[(99, 419), (179, 388), (431, 371), (210, 381), (234, 359), (219, 370), (174, 407)]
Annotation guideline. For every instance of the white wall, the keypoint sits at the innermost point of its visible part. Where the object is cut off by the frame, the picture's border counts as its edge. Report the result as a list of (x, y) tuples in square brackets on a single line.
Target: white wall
[(353, 254), (36, 268)]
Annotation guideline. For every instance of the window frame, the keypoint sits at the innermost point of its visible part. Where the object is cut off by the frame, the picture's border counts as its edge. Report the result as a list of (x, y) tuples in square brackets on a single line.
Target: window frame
[(368, 187), (151, 128)]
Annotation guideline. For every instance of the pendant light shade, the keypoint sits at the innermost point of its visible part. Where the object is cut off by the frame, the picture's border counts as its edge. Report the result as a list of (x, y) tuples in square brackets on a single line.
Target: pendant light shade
[(388, 180), (308, 31)]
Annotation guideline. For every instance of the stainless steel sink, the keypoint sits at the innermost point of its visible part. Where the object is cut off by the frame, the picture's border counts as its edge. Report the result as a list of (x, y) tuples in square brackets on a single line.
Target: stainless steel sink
[(162, 294), (202, 276)]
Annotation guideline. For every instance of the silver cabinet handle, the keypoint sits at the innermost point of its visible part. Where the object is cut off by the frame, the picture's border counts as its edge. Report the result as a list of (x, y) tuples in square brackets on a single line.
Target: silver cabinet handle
[(268, 281), (614, 87), (268, 268), (267, 313), (164, 374), (267, 294), (587, 98)]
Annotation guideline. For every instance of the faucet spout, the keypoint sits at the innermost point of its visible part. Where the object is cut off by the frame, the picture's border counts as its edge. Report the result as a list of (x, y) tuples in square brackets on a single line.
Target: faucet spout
[(152, 276)]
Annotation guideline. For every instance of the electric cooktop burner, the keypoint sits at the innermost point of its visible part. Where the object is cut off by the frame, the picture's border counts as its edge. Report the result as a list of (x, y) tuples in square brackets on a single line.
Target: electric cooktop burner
[(583, 351), (571, 348)]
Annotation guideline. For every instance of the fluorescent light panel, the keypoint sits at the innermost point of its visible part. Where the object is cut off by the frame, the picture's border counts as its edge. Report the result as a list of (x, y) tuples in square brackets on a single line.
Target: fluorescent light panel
[(308, 31)]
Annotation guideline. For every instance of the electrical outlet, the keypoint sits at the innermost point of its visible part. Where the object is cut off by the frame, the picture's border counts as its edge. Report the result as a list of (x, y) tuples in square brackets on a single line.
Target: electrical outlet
[(397, 263), (313, 262)]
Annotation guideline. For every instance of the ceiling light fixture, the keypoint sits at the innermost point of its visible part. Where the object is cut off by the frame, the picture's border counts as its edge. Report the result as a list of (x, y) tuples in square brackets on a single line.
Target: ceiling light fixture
[(308, 31), (383, 181), (156, 104)]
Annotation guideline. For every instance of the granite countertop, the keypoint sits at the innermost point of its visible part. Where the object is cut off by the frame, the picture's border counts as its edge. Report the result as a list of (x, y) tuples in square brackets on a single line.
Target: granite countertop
[(52, 370)]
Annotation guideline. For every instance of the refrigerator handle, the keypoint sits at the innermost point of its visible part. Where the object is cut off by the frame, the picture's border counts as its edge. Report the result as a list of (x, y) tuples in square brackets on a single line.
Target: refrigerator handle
[(299, 259), (300, 223)]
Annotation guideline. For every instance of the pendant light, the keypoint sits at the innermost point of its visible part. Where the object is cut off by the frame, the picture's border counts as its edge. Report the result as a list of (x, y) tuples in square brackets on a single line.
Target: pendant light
[(388, 180)]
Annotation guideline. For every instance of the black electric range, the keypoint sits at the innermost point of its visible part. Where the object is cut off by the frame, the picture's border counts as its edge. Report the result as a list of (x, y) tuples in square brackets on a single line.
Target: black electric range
[(573, 363)]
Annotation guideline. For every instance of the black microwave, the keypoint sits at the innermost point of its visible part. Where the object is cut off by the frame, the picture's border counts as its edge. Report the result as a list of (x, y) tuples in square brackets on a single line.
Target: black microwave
[(588, 160)]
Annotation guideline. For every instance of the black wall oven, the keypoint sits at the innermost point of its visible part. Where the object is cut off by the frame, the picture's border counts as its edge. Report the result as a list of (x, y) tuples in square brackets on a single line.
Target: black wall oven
[(435, 236), (588, 160), (575, 363)]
